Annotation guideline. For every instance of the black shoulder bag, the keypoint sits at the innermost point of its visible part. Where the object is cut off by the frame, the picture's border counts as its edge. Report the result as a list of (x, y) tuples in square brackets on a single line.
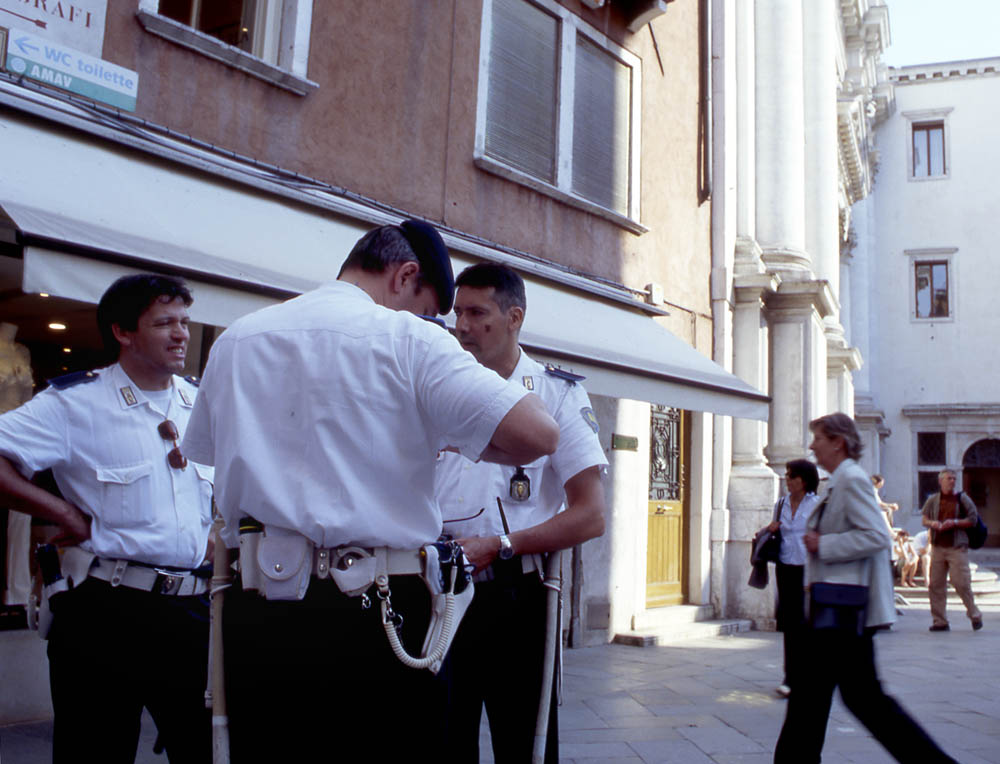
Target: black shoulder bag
[(837, 607)]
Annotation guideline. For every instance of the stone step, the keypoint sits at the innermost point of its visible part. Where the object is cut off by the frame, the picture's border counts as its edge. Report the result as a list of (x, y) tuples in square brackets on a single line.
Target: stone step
[(980, 588), (655, 637), (672, 616)]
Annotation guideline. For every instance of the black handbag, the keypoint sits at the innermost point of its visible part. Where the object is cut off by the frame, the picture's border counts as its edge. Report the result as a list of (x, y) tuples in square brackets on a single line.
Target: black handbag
[(765, 548), (837, 607)]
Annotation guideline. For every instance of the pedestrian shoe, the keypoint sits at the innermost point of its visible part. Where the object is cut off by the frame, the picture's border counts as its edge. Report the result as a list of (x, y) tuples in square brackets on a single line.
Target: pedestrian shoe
[(977, 624), (944, 627), (783, 690)]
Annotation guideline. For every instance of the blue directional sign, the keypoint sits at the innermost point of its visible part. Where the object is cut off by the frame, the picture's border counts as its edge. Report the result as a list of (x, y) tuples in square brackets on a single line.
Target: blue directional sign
[(39, 59)]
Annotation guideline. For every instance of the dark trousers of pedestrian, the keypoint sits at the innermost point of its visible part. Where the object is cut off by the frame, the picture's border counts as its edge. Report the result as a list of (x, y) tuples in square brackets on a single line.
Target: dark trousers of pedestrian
[(316, 679), (833, 660), (496, 662), (113, 651), (791, 616)]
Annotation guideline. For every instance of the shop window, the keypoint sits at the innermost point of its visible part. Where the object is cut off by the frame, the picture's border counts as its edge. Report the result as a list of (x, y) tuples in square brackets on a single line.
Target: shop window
[(928, 150), (559, 108), (268, 39), (931, 289), (931, 448)]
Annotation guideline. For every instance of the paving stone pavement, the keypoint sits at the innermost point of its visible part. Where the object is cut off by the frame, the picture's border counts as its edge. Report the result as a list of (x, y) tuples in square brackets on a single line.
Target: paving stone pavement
[(712, 700)]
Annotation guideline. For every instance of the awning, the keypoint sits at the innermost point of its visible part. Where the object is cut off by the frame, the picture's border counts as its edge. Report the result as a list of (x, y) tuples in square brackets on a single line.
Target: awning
[(103, 210)]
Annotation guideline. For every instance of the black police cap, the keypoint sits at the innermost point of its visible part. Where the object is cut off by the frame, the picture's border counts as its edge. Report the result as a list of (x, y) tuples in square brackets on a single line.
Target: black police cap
[(432, 255)]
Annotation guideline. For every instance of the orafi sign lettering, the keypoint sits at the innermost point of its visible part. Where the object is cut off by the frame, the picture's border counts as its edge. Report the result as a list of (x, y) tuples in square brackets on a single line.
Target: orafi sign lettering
[(76, 23), (36, 58)]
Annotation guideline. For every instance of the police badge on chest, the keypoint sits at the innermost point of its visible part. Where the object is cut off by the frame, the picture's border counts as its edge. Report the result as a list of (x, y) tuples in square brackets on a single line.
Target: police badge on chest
[(520, 485)]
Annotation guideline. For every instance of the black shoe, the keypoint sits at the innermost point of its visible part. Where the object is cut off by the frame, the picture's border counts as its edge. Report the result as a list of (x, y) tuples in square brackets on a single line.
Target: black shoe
[(942, 627), (977, 624)]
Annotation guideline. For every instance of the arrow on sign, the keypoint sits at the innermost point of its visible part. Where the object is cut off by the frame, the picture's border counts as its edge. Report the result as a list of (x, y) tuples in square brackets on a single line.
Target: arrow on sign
[(36, 22), (24, 46)]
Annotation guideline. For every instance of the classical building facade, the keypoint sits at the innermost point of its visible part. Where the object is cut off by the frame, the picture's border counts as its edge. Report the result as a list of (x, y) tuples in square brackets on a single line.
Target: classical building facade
[(797, 91), (926, 308)]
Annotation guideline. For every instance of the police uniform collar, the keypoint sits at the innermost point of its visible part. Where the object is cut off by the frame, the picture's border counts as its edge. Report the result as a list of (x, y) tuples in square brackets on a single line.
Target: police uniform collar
[(347, 286), (130, 396)]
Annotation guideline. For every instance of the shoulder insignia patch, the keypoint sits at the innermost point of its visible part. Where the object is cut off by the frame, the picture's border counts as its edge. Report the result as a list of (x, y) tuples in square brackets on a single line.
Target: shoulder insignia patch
[(192, 380), (569, 376), (588, 416), (529, 382), (76, 378)]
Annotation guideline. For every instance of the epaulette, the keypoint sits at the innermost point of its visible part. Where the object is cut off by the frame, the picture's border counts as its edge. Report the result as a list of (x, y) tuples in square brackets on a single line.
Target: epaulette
[(196, 381), (76, 378), (569, 376)]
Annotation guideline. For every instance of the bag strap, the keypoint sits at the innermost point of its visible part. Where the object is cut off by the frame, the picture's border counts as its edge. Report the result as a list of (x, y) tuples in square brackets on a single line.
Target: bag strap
[(777, 509)]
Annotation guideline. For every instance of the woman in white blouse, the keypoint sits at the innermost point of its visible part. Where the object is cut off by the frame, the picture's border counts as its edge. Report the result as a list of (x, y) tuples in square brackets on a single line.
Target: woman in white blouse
[(790, 515)]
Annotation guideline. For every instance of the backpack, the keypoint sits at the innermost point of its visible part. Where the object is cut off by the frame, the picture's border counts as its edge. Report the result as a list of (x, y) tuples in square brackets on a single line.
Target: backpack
[(977, 533)]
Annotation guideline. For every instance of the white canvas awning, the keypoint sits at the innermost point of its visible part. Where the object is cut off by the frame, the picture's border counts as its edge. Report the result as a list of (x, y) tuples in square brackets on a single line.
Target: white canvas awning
[(102, 210)]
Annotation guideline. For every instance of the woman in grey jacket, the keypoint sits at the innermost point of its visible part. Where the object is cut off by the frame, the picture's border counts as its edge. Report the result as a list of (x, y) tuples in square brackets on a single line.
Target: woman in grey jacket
[(848, 543)]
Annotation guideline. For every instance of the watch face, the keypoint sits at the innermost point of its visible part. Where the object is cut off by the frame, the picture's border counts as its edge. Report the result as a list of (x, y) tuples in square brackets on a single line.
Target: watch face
[(506, 548)]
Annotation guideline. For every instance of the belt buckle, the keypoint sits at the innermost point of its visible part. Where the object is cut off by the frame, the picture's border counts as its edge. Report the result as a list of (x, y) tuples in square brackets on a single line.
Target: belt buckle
[(167, 581)]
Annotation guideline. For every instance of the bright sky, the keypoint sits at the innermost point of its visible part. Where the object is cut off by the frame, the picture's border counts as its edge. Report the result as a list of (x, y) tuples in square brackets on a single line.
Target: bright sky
[(928, 31)]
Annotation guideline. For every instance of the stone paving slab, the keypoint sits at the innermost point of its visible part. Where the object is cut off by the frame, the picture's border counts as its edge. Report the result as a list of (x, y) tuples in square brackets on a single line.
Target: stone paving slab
[(711, 701)]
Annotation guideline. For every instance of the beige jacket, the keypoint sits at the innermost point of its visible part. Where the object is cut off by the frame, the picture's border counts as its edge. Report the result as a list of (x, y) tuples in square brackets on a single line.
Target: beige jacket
[(854, 542)]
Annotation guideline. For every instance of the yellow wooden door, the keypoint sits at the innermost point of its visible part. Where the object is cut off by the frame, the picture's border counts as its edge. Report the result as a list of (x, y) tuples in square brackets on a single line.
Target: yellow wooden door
[(665, 566)]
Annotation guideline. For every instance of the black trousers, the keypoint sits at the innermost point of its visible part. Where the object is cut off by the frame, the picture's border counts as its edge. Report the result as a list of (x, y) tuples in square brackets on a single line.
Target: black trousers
[(316, 679), (496, 662), (791, 616), (848, 662), (114, 650)]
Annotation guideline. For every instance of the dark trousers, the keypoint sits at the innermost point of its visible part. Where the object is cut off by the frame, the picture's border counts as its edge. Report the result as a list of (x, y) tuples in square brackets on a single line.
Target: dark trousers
[(496, 662), (316, 680), (114, 650), (848, 662), (791, 616)]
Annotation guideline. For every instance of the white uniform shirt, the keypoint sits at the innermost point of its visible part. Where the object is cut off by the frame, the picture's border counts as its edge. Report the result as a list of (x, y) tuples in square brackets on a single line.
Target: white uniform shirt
[(100, 439), (793, 529), (324, 415), (463, 487)]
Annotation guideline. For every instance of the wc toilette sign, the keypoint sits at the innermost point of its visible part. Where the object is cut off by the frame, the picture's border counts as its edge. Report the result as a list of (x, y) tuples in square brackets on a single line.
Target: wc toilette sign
[(60, 66)]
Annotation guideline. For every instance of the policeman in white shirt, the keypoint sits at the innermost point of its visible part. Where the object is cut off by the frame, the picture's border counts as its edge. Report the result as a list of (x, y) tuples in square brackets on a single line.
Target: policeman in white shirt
[(132, 632), (548, 504), (323, 417)]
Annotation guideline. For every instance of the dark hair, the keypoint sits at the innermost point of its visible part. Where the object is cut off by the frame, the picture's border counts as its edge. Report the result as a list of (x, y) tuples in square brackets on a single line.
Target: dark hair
[(805, 469), (839, 425), (508, 286), (410, 241), (378, 249), (129, 297)]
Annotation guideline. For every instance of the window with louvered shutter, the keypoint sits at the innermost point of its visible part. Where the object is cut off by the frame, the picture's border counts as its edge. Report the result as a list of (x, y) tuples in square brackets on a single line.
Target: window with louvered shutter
[(601, 127), (559, 108), (521, 112)]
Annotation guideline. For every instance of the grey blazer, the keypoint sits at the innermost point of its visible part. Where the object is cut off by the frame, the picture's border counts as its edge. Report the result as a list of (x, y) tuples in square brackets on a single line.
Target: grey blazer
[(854, 542)]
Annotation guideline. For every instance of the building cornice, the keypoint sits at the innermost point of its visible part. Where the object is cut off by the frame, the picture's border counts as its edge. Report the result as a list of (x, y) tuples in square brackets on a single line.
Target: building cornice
[(919, 74)]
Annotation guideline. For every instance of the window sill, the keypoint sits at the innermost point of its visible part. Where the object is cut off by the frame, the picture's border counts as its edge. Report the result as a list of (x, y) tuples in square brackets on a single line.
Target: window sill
[(926, 178), (933, 320), (186, 37), (498, 168)]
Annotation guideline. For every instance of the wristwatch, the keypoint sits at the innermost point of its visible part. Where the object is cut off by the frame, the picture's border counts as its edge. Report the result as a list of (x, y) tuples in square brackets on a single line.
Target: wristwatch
[(506, 548)]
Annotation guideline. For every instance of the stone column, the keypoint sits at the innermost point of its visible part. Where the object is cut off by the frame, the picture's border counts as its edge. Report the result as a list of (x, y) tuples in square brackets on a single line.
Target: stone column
[(752, 484), (779, 141), (798, 366)]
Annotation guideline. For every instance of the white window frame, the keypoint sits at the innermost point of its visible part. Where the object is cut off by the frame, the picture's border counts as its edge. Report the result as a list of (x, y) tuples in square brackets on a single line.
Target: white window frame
[(569, 26), (920, 117), (938, 254), (285, 41)]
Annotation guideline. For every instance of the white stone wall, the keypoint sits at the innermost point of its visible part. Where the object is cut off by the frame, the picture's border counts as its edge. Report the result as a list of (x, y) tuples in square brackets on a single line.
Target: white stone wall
[(932, 362)]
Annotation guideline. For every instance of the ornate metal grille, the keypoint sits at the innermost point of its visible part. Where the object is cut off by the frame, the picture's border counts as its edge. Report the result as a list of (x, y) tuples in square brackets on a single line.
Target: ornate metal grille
[(665, 454), (983, 453)]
